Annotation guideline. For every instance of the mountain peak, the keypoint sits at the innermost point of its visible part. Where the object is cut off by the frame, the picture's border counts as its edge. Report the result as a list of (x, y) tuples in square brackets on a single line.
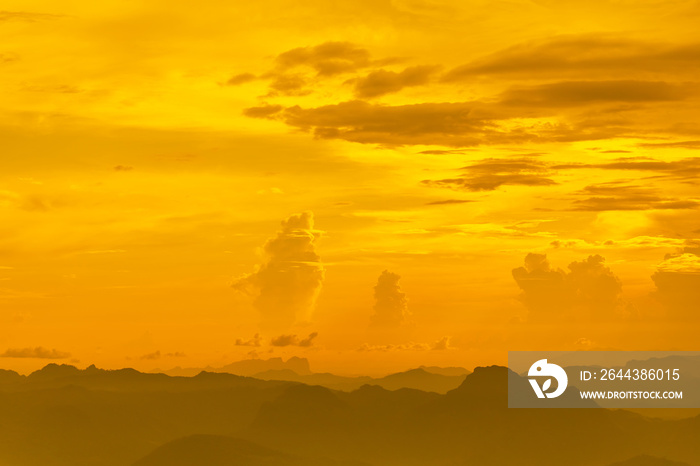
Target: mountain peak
[(53, 371)]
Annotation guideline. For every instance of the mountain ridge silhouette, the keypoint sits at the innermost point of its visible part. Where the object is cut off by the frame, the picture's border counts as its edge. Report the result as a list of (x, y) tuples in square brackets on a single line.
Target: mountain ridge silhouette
[(63, 416)]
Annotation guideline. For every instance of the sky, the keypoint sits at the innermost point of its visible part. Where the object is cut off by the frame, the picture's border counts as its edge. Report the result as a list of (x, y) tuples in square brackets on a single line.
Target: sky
[(372, 185)]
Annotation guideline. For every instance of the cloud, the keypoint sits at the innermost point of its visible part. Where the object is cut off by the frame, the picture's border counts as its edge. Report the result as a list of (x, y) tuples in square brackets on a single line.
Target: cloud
[(691, 246), (26, 16), (441, 152), (575, 93), (440, 345), (449, 202), (289, 280), (411, 346), (485, 229), (8, 58), (490, 174), (671, 145), (545, 290), (391, 305), (299, 71), (326, 59), (615, 196), (686, 263), (595, 284), (157, 355), (289, 85), (293, 340), (677, 280), (589, 289), (36, 353), (123, 168), (53, 88), (455, 124), (152, 356), (381, 82), (450, 124), (687, 169), (255, 341), (559, 108), (241, 78), (264, 111), (594, 56), (636, 242)]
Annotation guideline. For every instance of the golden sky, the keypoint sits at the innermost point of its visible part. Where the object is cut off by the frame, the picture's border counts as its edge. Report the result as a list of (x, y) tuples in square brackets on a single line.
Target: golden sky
[(374, 185)]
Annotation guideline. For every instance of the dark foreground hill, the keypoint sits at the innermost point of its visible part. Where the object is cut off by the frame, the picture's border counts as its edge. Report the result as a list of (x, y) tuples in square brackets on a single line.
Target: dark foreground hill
[(216, 450), (469, 425), (62, 416), (646, 460)]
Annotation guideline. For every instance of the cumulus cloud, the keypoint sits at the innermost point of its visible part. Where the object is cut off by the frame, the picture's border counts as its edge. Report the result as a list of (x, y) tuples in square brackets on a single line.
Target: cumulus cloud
[(391, 304), (442, 344), (293, 340), (677, 280), (589, 289), (38, 352), (545, 289), (286, 285)]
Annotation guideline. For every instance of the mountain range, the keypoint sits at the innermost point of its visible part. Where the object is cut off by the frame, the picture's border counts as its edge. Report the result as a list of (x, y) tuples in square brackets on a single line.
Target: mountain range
[(295, 369), (63, 416)]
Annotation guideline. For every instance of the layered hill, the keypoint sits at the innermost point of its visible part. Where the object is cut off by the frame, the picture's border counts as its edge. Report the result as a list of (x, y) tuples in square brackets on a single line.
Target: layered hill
[(63, 416), (431, 379)]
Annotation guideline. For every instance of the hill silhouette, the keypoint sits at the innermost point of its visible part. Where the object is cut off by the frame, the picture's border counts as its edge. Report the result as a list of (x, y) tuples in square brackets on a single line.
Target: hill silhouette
[(419, 379), (646, 460), (63, 416), (433, 379), (216, 450), (248, 367), (471, 423), (451, 371)]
